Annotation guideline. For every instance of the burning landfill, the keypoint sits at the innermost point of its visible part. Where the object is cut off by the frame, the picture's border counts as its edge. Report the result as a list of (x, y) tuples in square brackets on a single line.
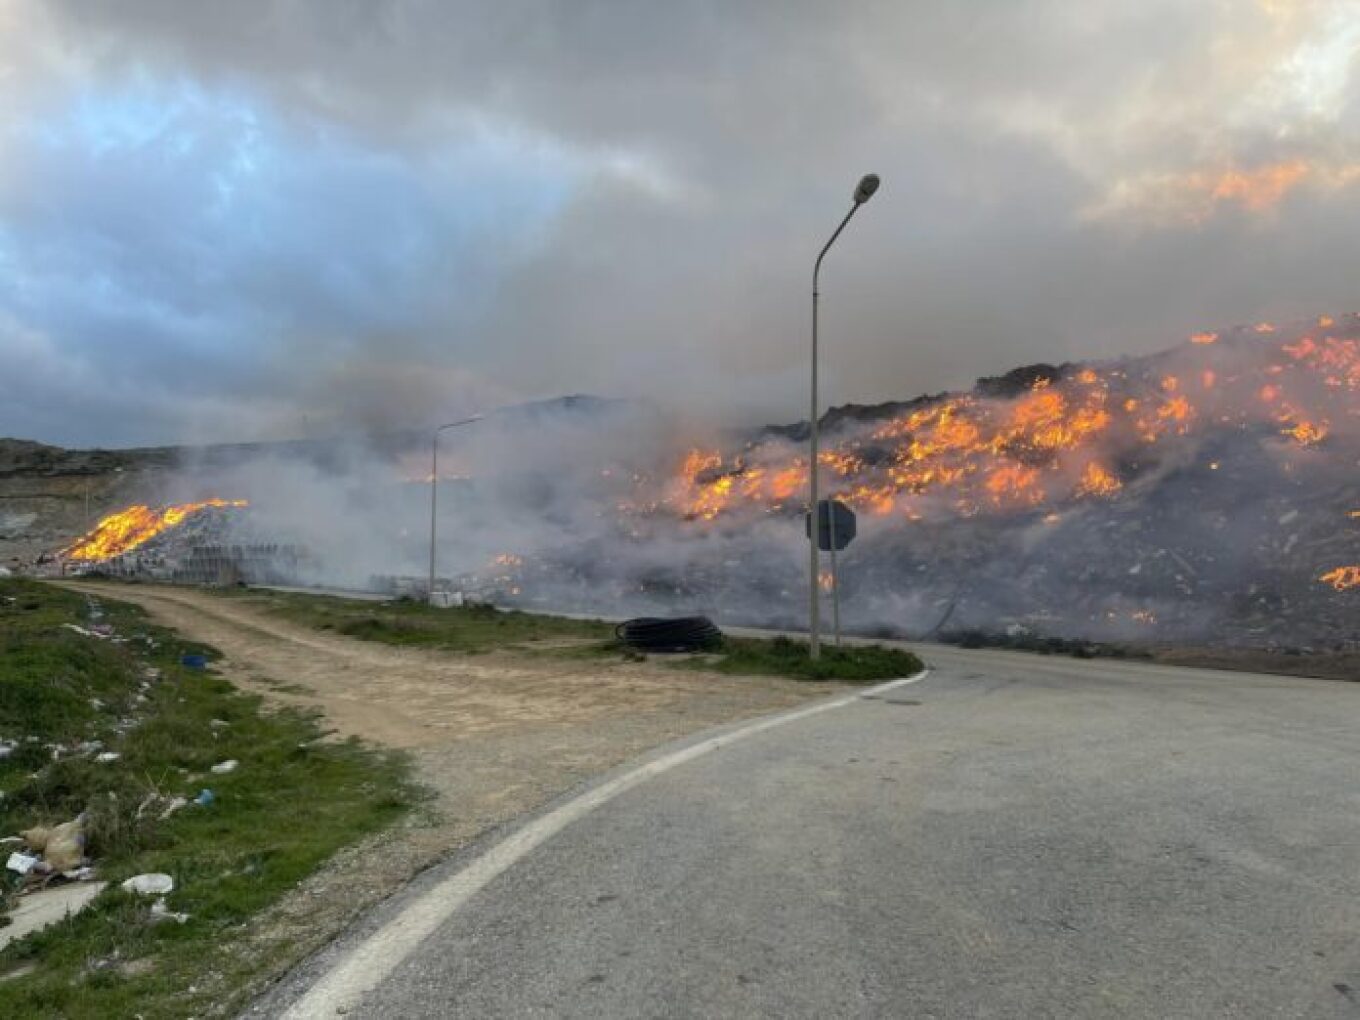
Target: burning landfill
[(1204, 493), (127, 530)]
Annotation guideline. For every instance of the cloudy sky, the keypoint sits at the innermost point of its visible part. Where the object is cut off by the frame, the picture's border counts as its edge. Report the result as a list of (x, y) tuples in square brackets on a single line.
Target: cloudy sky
[(259, 219)]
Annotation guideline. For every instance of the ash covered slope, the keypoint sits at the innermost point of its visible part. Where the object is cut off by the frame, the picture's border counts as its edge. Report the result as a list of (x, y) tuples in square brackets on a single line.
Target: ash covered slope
[(1205, 493)]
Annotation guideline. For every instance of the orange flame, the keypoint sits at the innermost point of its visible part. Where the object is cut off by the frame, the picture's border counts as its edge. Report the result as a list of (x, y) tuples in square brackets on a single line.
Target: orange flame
[(1306, 433), (1050, 441), (1342, 578), (127, 529), (1096, 481)]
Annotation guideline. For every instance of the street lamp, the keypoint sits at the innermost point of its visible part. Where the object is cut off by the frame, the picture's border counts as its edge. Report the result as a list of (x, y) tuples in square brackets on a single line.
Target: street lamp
[(868, 184), (434, 488)]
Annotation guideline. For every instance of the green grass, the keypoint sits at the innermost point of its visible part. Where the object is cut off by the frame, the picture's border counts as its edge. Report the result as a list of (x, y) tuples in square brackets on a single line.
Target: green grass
[(782, 656), (483, 628), (290, 805), (469, 629)]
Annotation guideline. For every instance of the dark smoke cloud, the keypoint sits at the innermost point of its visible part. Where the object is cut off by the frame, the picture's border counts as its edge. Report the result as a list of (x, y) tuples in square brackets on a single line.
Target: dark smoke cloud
[(242, 220)]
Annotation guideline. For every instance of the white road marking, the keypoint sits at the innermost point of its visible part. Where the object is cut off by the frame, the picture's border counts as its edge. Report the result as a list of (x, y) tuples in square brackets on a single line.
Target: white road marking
[(368, 964)]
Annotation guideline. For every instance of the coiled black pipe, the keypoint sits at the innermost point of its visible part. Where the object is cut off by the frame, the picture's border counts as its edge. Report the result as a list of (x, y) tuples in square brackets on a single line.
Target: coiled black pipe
[(679, 634)]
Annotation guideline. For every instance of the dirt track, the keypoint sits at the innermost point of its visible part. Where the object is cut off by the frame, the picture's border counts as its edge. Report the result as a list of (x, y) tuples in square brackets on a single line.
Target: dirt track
[(493, 736)]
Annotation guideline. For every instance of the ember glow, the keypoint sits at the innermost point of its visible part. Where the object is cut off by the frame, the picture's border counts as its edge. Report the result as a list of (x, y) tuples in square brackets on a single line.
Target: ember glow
[(127, 529), (1342, 578), (1064, 435)]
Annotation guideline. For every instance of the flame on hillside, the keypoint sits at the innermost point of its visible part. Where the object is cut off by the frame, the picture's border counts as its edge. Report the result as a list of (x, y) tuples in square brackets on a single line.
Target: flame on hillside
[(127, 529), (1342, 578), (1072, 435)]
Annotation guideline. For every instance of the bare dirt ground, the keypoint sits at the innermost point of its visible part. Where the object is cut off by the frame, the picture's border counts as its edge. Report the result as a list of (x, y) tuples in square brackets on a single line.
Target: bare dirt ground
[(492, 736)]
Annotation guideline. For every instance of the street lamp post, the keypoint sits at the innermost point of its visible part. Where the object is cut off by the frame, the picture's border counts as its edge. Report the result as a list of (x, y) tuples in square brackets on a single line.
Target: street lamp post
[(863, 192), (434, 488)]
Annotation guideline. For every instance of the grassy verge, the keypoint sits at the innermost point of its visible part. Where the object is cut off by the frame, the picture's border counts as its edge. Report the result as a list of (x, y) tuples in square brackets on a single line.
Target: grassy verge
[(470, 629), (483, 628), (290, 803), (781, 656)]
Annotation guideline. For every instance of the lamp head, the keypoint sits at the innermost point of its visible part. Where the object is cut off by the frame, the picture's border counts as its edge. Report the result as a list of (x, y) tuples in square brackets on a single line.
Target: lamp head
[(868, 184)]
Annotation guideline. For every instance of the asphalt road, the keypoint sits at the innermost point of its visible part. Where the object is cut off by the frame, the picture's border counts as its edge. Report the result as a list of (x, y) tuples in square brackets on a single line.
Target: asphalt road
[(1014, 836)]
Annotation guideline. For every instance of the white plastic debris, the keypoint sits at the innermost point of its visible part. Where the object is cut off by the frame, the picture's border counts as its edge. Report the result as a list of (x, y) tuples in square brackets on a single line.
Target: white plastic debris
[(160, 912), (151, 884), (85, 633), (84, 874), (104, 757), (21, 862), (223, 767), (174, 805)]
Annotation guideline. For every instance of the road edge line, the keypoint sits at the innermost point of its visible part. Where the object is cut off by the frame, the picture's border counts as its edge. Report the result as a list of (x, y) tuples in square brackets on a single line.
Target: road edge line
[(367, 964)]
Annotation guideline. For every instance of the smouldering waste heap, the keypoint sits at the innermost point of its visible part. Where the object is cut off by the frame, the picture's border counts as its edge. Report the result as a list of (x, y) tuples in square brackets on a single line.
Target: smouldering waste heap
[(133, 527), (1205, 493), (1044, 435)]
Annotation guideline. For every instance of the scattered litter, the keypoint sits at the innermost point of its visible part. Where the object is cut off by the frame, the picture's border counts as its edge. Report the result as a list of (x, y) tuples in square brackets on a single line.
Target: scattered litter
[(22, 863), (104, 757), (205, 798), (160, 912), (174, 805), (223, 767), (85, 874), (153, 883), (62, 846), (217, 724), (84, 632), (194, 661), (7, 748)]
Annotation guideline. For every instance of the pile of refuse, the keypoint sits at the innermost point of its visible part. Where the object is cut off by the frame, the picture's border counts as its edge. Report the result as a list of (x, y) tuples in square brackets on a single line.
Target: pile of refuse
[(45, 854)]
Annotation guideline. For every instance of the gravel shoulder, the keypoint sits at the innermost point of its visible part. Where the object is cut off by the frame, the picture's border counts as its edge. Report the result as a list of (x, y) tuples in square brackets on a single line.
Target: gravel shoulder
[(493, 736)]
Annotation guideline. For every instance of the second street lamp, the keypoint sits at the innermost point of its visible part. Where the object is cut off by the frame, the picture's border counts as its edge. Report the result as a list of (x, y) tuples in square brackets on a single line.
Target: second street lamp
[(434, 489), (868, 184)]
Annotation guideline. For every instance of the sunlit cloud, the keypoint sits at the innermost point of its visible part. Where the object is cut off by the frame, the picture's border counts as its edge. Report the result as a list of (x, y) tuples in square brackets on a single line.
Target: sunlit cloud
[(1190, 199)]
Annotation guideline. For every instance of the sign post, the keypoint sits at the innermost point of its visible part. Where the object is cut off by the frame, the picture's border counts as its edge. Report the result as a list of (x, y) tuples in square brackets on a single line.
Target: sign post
[(836, 528), (836, 525)]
